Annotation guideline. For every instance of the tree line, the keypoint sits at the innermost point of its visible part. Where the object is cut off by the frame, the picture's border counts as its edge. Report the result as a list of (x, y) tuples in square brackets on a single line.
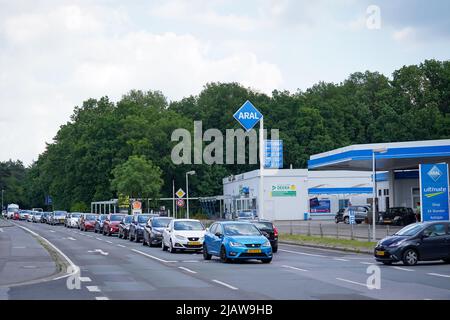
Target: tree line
[(108, 148)]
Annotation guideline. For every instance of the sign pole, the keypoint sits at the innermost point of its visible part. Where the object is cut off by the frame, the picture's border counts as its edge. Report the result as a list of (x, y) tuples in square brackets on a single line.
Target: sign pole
[(173, 196), (261, 168)]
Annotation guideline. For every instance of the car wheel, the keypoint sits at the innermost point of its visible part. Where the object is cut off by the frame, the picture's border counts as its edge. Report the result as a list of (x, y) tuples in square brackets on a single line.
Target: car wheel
[(387, 263), (336, 220), (130, 237), (95, 230), (410, 257), (267, 260), (206, 255), (163, 246), (346, 220), (275, 249), (136, 238), (223, 255), (171, 248), (144, 243)]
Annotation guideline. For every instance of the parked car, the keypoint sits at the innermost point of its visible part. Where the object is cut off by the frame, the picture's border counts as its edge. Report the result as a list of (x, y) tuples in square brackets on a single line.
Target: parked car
[(269, 230), (416, 242), (245, 215), (23, 214), (45, 217), (339, 217), (154, 229), (57, 217), (183, 234), (99, 223), (361, 213), (72, 220), (11, 210), (30, 216), (87, 221), (37, 210), (398, 216), (235, 240), (111, 224), (136, 232), (36, 216), (124, 226)]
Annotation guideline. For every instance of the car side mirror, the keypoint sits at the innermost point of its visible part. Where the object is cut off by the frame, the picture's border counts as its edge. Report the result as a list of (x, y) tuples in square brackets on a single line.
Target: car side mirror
[(424, 236), (219, 235)]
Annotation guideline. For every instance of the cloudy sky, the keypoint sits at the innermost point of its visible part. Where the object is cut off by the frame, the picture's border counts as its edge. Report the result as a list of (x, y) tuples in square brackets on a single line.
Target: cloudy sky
[(55, 54)]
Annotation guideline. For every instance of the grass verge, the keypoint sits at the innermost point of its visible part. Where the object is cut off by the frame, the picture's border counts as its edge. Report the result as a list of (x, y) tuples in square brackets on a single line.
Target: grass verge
[(326, 241)]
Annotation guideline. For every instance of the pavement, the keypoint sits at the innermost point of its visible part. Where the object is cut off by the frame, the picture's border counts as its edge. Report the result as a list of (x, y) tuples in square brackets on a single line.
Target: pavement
[(112, 268)]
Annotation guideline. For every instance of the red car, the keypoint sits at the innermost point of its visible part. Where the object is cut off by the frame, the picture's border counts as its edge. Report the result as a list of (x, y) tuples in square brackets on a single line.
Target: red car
[(16, 216), (111, 224), (87, 221)]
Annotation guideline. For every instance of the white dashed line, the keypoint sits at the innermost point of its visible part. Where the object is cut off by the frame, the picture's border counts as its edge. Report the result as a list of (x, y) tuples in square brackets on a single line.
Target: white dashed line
[(150, 256), (403, 269), (353, 282), (340, 259), (85, 279), (89, 236), (186, 269), (294, 268), (107, 241), (303, 253), (93, 288), (52, 231), (99, 239), (192, 261), (225, 284), (70, 238), (101, 298), (122, 246), (366, 263), (439, 275)]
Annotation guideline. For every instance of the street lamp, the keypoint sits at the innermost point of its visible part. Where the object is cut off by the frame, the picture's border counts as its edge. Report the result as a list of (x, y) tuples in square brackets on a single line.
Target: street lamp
[(374, 186), (189, 173), (2, 200)]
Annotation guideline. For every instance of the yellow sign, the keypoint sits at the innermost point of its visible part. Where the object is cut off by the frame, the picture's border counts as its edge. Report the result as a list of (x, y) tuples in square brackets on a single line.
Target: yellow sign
[(180, 193)]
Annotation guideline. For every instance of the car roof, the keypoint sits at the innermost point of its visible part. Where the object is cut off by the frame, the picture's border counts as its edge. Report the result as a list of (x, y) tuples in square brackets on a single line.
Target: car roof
[(235, 222)]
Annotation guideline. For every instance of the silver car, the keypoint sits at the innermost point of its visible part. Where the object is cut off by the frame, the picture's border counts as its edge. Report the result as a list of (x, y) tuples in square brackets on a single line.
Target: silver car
[(360, 212)]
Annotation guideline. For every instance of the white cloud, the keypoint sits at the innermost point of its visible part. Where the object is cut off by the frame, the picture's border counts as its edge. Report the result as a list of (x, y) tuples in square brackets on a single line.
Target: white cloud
[(52, 60), (404, 34)]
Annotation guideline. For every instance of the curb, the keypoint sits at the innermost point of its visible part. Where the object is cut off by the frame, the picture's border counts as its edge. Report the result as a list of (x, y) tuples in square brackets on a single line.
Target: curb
[(321, 246)]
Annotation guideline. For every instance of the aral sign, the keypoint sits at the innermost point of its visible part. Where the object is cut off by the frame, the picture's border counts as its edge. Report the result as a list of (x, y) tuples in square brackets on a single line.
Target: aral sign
[(434, 196), (284, 190)]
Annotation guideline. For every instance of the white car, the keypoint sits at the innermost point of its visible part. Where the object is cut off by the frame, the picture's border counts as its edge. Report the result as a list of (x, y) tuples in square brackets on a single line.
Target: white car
[(30, 217), (72, 220), (183, 234), (12, 208), (36, 217)]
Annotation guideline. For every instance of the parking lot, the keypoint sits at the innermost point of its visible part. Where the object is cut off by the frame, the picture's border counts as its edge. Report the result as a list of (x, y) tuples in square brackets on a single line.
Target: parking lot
[(113, 268)]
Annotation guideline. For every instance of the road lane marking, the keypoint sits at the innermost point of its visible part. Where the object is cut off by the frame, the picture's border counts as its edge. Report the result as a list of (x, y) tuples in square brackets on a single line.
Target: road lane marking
[(294, 268), (52, 230), (150, 256), (186, 269), (302, 253), (99, 239), (89, 236), (75, 269), (403, 269), (101, 298), (366, 263), (353, 282), (99, 251), (107, 241), (70, 238), (439, 275), (340, 259), (225, 284), (191, 261), (85, 279), (93, 288), (19, 247), (122, 246)]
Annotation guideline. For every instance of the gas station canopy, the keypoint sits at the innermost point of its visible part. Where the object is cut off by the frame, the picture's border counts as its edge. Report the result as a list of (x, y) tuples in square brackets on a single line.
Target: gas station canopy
[(389, 156)]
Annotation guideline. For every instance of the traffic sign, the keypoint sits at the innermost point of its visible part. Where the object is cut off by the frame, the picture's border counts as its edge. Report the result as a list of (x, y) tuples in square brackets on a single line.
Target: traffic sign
[(180, 203), (351, 215), (137, 205), (180, 193), (248, 115)]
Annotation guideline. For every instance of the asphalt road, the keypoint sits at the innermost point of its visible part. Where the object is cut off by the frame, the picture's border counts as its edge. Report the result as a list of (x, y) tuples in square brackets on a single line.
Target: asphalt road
[(113, 268)]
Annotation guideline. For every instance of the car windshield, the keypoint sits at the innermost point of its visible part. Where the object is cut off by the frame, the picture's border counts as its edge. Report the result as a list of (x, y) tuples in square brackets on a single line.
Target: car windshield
[(410, 230), (245, 214), (103, 217), (161, 222), (241, 230), (91, 217), (60, 213), (143, 218), (76, 215), (188, 225), (264, 225), (128, 219), (116, 217)]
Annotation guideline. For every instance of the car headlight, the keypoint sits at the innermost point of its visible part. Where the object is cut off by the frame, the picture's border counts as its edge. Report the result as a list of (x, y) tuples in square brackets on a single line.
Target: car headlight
[(180, 237), (266, 244), (396, 244), (235, 244)]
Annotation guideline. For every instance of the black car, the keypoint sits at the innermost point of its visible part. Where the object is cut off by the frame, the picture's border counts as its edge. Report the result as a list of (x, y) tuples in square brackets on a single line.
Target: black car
[(124, 227), (99, 223), (398, 216), (44, 217), (339, 217), (269, 230), (423, 241), (137, 226), (154, 229)]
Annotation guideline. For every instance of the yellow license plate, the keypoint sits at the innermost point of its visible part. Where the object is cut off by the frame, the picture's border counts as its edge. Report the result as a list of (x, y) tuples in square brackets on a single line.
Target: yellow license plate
[(380, 253), (194, 243), (254, 251)]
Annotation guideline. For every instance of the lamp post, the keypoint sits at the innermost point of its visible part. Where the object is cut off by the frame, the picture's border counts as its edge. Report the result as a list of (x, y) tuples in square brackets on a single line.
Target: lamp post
[(189, 173), (2, 200), (374, 189)]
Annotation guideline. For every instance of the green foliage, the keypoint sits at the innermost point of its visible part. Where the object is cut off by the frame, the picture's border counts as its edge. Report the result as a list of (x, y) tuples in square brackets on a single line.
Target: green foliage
[(105, 141), (137, 177), (79, 207)]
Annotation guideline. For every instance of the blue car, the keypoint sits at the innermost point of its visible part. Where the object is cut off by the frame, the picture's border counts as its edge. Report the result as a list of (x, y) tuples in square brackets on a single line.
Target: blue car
[(233, 240)]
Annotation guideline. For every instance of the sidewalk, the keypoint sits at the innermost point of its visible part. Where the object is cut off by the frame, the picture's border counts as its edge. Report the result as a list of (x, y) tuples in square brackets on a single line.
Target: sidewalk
[(22, 257)]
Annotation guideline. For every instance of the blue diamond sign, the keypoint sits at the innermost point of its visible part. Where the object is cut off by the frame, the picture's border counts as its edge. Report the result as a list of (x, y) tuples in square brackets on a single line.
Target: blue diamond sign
[(435, 173), (248, 115)]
